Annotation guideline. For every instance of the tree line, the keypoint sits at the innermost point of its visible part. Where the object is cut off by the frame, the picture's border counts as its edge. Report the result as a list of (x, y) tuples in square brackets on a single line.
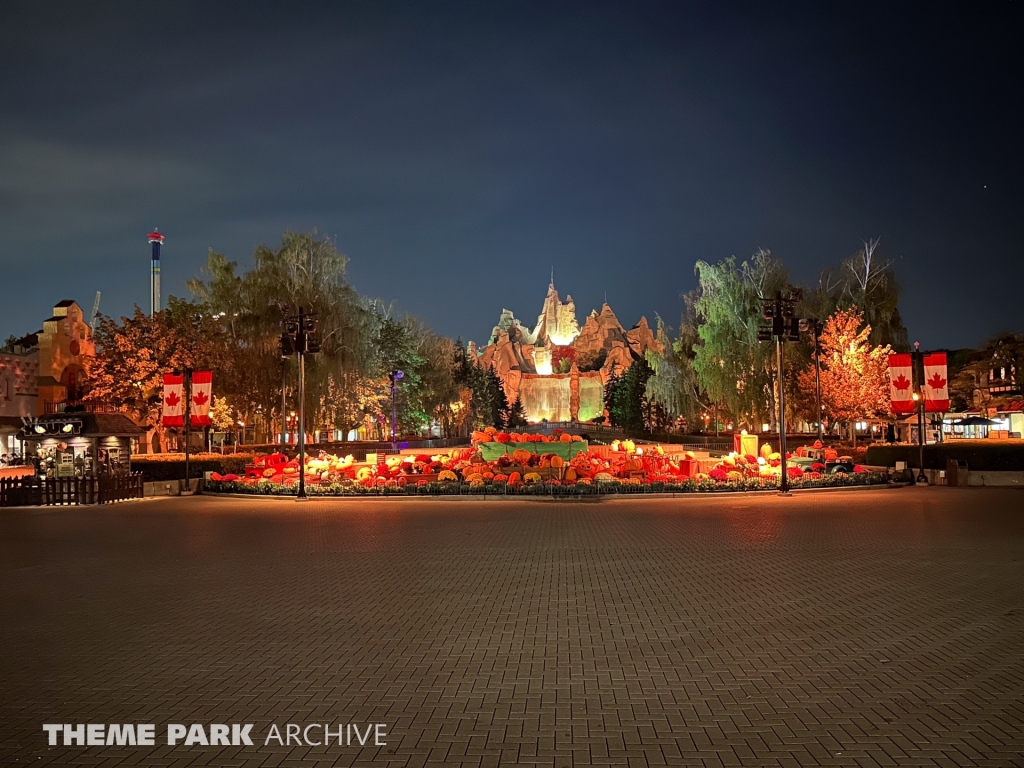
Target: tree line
[(711, 370), (232, 325), (715, 371)]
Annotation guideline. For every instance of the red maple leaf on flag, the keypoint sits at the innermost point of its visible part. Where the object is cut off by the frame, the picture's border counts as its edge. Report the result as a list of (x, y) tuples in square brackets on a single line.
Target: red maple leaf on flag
[(901, 383), (173, 399), (936, 381), (200, 398)]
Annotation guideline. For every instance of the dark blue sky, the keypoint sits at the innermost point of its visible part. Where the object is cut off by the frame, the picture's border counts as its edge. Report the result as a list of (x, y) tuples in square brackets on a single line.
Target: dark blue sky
[(459, 151)]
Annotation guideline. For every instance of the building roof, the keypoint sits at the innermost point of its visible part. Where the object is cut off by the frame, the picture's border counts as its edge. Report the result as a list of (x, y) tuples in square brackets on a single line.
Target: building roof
[(93, 425), (10, 424), (65, 303), (110, 424)]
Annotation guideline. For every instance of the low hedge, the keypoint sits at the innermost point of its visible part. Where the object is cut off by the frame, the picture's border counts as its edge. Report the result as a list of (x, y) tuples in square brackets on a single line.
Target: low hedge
[(268, 488), (980, 455), (171, 466)]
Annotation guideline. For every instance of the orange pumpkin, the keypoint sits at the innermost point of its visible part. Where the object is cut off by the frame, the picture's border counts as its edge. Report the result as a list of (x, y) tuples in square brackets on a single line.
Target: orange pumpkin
[(557, 462), (570, 475), (566, 437), (514, 478)]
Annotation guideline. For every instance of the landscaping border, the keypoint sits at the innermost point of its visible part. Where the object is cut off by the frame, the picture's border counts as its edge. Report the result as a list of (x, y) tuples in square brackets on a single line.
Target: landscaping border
[(542, 490)]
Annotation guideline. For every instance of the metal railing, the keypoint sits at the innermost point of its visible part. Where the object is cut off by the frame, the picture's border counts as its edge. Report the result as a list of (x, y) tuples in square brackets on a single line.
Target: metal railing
[(76, 406), (56, 491)]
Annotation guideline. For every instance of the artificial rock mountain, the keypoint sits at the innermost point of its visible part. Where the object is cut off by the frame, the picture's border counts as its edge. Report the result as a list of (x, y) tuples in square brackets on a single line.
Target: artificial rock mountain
[(559, 369)]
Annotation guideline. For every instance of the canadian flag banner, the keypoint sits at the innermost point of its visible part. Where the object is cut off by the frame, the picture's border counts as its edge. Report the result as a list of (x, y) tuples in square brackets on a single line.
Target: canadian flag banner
[(173, 405), (936, 386), (202, 391), (901, 377)]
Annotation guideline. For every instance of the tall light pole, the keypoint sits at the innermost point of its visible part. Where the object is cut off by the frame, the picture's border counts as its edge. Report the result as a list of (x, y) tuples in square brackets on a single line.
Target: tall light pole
[(395, 377), (782, 325), (919, 404), (299, 338), (186, 421)]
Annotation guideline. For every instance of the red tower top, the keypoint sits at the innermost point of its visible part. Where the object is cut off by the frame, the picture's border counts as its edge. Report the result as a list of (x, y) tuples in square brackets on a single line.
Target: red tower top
[(156, 237)]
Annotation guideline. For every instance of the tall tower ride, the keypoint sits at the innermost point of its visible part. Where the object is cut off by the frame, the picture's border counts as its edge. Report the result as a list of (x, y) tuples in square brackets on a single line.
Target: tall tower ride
[(155, 240)]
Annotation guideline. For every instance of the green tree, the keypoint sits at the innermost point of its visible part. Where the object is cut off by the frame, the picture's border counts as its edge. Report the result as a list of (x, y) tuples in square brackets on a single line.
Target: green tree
[(732, 367), (866, 281), (308, 271), (517, 414), (629, 407), (9, 344), (674, 385)]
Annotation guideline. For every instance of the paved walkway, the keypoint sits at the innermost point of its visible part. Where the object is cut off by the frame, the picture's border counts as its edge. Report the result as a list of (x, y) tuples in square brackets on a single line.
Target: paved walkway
[(843, 629)]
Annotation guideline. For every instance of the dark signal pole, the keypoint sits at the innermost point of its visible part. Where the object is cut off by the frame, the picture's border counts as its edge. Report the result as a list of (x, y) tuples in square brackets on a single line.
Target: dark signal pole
[(919, 403), (782, 325), (299, 338), (395, 377)]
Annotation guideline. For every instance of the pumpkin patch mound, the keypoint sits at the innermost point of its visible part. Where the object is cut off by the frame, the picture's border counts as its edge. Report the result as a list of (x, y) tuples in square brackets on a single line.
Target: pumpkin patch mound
[(507, 463)]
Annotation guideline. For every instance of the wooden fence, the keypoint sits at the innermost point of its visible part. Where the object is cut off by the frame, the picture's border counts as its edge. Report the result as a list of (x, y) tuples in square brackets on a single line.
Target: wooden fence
[(52, 491)]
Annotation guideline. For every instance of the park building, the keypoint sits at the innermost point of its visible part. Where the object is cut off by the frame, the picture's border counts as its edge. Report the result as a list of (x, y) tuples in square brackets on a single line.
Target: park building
[(43, 372)]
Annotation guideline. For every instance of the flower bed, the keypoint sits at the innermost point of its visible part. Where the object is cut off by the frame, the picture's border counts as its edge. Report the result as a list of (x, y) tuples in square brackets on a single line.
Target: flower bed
[(171, 466), (440, 488), (528, 469)]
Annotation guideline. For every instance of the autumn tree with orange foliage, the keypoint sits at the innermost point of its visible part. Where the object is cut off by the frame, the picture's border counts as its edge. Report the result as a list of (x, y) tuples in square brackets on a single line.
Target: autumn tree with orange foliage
[(854, 373), (133, 355)]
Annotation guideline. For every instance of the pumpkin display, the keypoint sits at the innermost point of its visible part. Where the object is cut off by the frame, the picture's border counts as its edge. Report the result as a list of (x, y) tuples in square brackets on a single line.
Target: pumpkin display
[(626, 465), (521, 455)]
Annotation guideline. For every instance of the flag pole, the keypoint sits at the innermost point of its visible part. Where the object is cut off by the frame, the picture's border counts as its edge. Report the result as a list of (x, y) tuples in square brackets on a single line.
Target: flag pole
[(186, 416), (921, 478)]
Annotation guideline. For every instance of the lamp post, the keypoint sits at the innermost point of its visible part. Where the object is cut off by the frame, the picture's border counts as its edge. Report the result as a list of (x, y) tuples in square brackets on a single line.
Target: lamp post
[(284, 397), (919, 405), (782, 325), (395, 377), (186, 421), (299, 338)]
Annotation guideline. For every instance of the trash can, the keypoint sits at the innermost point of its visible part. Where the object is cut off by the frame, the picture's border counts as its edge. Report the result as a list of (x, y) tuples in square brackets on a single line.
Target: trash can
[(956, 473)]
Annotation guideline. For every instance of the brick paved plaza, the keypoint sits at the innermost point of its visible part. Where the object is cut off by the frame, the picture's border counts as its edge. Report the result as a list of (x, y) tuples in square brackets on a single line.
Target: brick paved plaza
[(855, 628)]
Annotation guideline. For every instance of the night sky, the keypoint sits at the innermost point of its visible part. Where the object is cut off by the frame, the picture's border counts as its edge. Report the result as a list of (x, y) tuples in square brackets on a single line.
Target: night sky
[(458, 152)]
